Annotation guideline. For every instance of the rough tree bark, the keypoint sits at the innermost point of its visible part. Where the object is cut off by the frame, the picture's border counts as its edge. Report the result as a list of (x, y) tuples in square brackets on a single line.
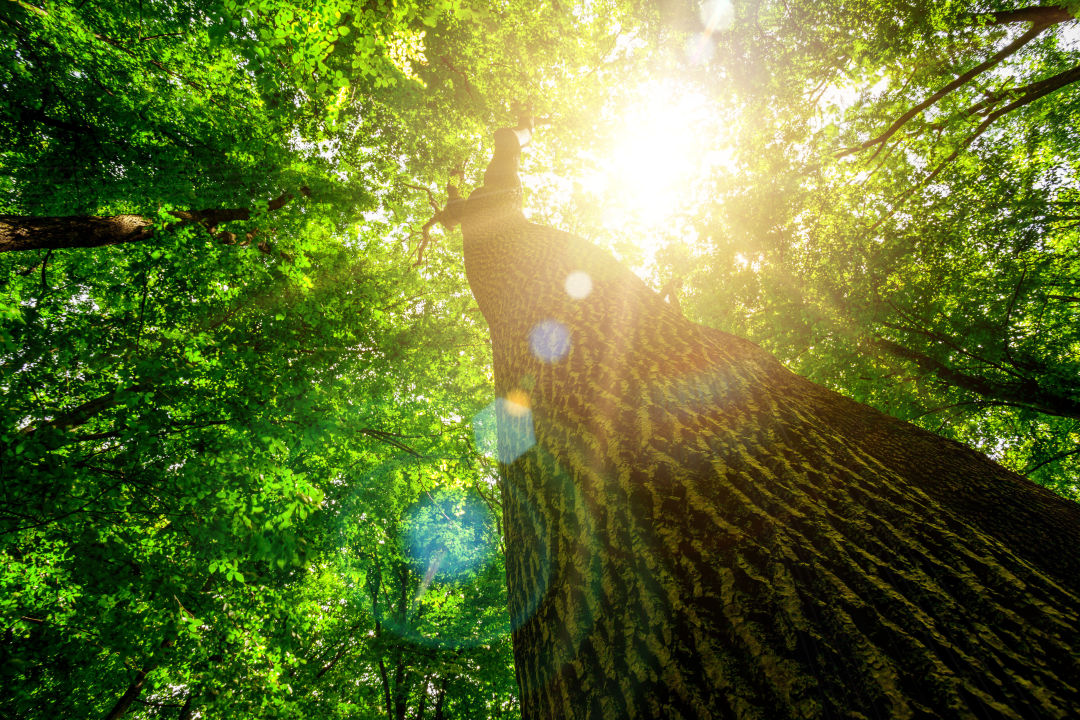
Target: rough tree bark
[(692, 531)]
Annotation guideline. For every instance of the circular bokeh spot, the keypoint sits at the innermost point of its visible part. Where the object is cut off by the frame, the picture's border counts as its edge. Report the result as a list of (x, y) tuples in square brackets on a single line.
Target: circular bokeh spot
[(486, 432), (517, 403), (504, 429), (449, 535), (454, 595), (549, 340), (578, 284)]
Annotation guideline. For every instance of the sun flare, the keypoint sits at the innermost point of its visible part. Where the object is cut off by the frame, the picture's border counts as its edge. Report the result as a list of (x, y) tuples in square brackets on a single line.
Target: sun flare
[(669, 140)]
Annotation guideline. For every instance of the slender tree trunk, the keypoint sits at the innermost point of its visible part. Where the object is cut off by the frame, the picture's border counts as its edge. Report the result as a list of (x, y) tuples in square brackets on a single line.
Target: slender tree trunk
[(386, 690), (134, 689), (692, 531), (401, 694), (421, 704), (440, 698), (400, 687)]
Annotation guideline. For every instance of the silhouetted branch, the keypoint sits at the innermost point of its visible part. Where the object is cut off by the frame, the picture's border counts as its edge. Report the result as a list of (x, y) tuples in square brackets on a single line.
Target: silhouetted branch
[(1045, 15), (1047, 461), (1028, 94), (24, 232), (960, 80)]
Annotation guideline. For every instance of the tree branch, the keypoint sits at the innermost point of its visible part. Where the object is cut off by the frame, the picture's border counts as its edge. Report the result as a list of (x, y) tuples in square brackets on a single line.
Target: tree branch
[(1008, 315), (1024, 395), (1045, 15), (1030, 93), (1047, 461), (134, 689), (116, 44), (959, 81), (82, 413), (23, 232), (389, 439)]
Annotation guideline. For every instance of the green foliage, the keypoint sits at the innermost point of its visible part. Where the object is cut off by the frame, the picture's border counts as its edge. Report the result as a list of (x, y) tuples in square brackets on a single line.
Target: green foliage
[(238, 457)]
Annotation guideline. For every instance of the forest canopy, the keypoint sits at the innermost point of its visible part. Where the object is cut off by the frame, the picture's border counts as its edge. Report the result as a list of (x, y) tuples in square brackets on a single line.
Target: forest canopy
[(247, 457)]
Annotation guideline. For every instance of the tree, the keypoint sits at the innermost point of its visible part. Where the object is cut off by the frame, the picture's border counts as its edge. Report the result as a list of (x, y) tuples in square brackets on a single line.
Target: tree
[(694, 531)]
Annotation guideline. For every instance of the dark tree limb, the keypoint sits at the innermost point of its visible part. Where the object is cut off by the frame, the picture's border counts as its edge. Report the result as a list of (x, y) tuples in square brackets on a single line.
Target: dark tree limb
[(1053, 458), (390, 439), (187, 710), (670, 291), (333, 661), (945, 340), (959, 81), (1025, 394), (460, 73), (1045, 15), (30, 113), (447, 216), (23, 232), (36, 233), (134, 689), (1026, 95), (82, 413)]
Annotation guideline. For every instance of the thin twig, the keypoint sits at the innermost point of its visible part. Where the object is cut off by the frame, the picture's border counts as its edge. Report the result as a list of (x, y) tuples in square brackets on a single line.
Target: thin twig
[(1008, 315)]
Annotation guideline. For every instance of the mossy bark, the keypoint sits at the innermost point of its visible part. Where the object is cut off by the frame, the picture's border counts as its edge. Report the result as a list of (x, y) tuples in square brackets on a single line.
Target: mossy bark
[(699, 533)]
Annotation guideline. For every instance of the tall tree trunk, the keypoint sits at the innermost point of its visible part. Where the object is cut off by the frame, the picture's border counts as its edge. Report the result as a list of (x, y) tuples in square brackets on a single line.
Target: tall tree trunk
[(401, 673), (692, 531), (133, 691), (187, 710), (385, 679), (421, 703)]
